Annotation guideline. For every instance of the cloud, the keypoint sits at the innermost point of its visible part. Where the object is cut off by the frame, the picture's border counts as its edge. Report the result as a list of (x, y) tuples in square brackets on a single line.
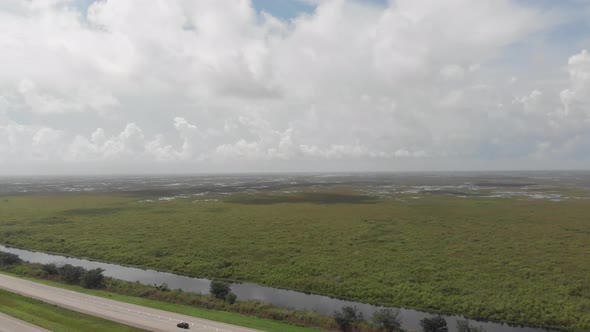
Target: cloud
[(30, 143), (576, 99), (452, 72), (78, 100), (128, 144), (570, 124), (216, 82)]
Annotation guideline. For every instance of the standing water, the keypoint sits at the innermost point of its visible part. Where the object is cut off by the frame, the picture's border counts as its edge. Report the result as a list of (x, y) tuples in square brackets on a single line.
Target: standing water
[(248, 291)]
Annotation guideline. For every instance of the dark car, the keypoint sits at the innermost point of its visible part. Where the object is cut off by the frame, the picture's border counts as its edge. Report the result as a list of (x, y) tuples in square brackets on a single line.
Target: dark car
[(182, 325)]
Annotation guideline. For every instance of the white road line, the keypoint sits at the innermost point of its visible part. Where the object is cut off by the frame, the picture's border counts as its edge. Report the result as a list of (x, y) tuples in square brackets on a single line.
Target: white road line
[(126, 313)]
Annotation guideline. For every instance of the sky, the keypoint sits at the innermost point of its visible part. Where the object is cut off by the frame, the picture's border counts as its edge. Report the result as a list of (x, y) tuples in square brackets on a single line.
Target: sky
[(184, 86)]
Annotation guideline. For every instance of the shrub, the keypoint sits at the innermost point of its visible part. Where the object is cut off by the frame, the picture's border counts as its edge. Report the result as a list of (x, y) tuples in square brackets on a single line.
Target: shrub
[(231, 298), (71, 274), (219, 289), (348, 317), (434, 324), (8, 259), (92, 278), (387, 320), (162, 287), (50, 269)]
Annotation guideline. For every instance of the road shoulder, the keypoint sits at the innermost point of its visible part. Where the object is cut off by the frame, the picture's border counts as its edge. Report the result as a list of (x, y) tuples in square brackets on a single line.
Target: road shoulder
[(11, 324)]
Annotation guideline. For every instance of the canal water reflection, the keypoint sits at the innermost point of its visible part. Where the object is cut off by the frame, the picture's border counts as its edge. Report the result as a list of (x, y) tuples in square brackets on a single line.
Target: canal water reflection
[(249, 291)]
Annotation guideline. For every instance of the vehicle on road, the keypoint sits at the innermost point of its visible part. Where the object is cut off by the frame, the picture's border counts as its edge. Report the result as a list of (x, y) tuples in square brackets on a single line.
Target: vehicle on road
[(183, 325)]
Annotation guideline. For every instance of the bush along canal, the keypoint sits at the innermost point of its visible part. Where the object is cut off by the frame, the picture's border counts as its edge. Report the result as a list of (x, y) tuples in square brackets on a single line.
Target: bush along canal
[(249, 291)]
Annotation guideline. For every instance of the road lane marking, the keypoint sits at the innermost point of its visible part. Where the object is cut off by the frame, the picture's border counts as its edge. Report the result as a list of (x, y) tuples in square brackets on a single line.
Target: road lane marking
[(73, 299)]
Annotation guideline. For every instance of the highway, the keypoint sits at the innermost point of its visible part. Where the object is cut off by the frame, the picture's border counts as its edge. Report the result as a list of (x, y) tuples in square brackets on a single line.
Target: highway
[(125, 313), (11, 324)]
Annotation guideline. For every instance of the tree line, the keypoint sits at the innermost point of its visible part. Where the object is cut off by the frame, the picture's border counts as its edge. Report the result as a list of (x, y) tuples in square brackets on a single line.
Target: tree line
[(76, 275), (350, 319)]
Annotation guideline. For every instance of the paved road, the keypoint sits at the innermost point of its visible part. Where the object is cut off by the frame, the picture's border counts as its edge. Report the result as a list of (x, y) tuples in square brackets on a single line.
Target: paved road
[(129, 314), (11, 324)]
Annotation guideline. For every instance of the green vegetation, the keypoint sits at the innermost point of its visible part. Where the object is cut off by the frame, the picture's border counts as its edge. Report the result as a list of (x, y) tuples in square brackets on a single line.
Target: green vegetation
[(512, 260), (53, 317), (387, 320), (8, 259), (434, 324), (348, 318), (220, 289), (351, 319), (252, 314), (74, 275)]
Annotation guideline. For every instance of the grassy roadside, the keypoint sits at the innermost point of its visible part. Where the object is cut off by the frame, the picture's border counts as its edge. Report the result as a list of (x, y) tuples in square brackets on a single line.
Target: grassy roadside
[(53, 317), (219, 316)]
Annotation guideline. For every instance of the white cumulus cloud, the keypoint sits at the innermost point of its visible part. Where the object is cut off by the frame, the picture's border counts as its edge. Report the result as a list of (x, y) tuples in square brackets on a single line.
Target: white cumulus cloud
[(212, 83)]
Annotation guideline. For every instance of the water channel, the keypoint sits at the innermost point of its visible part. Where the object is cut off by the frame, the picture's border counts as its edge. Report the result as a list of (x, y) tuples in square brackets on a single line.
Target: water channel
[(250, 291)]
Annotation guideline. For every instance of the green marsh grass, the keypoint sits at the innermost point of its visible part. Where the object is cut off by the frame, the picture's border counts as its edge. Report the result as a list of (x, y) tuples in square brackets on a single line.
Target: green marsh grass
[(514, 260)]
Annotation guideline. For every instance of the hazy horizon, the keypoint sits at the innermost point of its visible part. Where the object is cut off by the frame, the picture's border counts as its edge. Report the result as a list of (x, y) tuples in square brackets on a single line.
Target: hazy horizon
[(279, 172)]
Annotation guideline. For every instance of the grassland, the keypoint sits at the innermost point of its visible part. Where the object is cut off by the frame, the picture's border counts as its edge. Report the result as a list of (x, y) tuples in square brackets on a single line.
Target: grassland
[(512, 260), (53, 317), (135, 293)]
